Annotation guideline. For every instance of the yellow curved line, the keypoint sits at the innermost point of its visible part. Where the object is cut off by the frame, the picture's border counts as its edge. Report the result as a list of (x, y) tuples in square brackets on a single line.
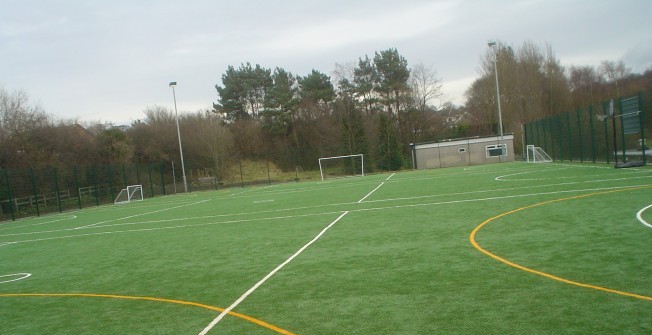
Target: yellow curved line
[(544, 274), (179, 302)]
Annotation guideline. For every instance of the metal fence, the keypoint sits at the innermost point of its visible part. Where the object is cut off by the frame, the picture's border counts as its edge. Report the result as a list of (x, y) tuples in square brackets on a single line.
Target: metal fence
[(612, 132), (37, 191)]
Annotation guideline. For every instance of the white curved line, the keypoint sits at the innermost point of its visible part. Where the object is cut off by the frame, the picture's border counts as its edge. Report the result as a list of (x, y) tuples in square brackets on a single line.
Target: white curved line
[(22, 274), (639, 216)]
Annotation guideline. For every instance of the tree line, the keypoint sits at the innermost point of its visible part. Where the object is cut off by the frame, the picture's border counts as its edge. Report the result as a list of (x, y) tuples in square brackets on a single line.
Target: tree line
[(376, 106)]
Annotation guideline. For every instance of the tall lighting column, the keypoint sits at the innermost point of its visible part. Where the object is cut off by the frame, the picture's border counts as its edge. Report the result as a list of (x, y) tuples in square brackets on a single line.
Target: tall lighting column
[(176, 116), (492, 44)]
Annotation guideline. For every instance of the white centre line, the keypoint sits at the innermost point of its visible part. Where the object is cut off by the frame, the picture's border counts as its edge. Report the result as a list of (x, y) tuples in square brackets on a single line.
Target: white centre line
[(269, 275)]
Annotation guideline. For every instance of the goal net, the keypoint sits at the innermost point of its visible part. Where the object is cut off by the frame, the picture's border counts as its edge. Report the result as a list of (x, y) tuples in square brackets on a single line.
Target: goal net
[(129, 194), (341, 166), (537, 155)]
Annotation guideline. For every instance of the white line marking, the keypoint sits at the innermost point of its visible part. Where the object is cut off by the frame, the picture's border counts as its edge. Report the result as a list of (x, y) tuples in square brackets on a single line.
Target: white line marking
[(375, 189), (639, 216), (263, 201), (368, 194), (22, 275), (141, 214), (262, 281), (71, 217)]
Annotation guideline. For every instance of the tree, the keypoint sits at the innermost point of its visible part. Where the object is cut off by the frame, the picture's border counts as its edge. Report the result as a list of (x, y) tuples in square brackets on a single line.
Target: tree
[(425, 87), (614, 72), (392, 79), (281, 105), (244, 92), (20, 122), (350, 119), (364, 80), (114, 146), (389, 154)]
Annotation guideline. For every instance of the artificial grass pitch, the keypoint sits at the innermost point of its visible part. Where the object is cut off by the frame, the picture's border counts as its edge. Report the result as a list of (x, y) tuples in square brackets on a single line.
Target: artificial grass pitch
[(400, 261)]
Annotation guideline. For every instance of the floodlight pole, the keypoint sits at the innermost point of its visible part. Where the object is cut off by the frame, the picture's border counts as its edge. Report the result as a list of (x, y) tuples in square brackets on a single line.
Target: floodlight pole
[(176, 116), (492, 44)]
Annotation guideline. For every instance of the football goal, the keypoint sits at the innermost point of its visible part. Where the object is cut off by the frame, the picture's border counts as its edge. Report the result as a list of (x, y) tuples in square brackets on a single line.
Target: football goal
[(129, 194), (341, 166), (537, 155)]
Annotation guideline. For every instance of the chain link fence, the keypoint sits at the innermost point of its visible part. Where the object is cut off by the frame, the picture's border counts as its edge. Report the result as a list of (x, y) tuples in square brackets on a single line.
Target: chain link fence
[(610, 132)]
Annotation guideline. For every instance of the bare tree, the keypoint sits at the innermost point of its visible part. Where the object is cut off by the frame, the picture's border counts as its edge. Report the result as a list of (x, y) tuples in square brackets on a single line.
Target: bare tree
[(613, 72), (426, 87)]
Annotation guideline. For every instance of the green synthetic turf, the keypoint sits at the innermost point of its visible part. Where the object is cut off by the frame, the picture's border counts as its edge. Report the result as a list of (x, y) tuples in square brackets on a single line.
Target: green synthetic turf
[(399, 262)]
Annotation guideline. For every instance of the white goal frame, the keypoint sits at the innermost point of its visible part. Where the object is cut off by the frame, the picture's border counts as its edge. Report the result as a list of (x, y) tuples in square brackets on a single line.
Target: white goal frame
[(129, 194), (536, 155), (321, 170)]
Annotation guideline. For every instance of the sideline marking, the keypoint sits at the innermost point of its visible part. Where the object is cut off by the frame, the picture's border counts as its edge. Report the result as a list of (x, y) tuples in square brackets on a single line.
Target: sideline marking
[(262, 281), (544, 274), (639, 216), (141, 214), (70, 217), (23, 275), (172, 301)]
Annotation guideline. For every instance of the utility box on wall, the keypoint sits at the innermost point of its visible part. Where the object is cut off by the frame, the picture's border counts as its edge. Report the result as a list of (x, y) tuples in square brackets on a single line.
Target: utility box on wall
[(461, 152)]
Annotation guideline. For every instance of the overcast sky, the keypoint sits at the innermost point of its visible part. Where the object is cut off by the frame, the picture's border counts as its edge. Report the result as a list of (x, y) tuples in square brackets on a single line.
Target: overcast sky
[(109, 60)]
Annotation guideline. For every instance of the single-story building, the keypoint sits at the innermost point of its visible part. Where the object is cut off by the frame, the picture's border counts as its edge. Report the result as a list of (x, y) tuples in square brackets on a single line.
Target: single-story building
[(461, 152)]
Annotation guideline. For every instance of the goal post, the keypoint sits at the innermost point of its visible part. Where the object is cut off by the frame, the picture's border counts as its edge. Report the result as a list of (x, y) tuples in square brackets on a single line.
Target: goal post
[(537, 155), (129, 194), (346, 165)]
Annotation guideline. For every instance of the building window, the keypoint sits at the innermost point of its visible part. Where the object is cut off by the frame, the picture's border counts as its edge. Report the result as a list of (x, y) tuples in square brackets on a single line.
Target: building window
[(496, 150)]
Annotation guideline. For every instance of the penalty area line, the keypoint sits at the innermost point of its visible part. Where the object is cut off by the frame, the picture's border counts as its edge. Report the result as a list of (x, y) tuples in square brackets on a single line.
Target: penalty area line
[(269, 275)]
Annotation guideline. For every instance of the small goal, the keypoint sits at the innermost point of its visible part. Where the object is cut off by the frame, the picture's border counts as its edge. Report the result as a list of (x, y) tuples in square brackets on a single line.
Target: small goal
[(341, 166), (129, 194), (537, 155)]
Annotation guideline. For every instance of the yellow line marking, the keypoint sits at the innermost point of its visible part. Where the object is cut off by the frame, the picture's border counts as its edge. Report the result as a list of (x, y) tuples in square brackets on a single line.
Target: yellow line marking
[(544, 274), (172, 301)]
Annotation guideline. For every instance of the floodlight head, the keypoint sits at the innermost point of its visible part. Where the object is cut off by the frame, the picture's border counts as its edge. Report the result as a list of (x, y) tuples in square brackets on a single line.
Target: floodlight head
[(491, 43), (173, 83)]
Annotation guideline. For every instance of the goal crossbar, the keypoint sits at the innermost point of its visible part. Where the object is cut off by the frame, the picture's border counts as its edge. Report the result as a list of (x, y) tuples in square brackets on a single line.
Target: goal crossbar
[(321, 170)]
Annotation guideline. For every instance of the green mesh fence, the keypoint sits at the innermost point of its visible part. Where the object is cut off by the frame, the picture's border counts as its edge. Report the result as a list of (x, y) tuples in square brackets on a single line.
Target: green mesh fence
[(611, 132)]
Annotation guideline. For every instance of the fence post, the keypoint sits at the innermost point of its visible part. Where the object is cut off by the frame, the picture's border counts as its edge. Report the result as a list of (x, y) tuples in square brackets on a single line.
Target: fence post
[(151, 184), (561, 140), (97, 189), (34, 191), (641, 120), (570, 137), (56, 188), (10, 198), (592, 133), (579, 128), (111, 189), (74, 172), (622, 128), (161, 166)]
